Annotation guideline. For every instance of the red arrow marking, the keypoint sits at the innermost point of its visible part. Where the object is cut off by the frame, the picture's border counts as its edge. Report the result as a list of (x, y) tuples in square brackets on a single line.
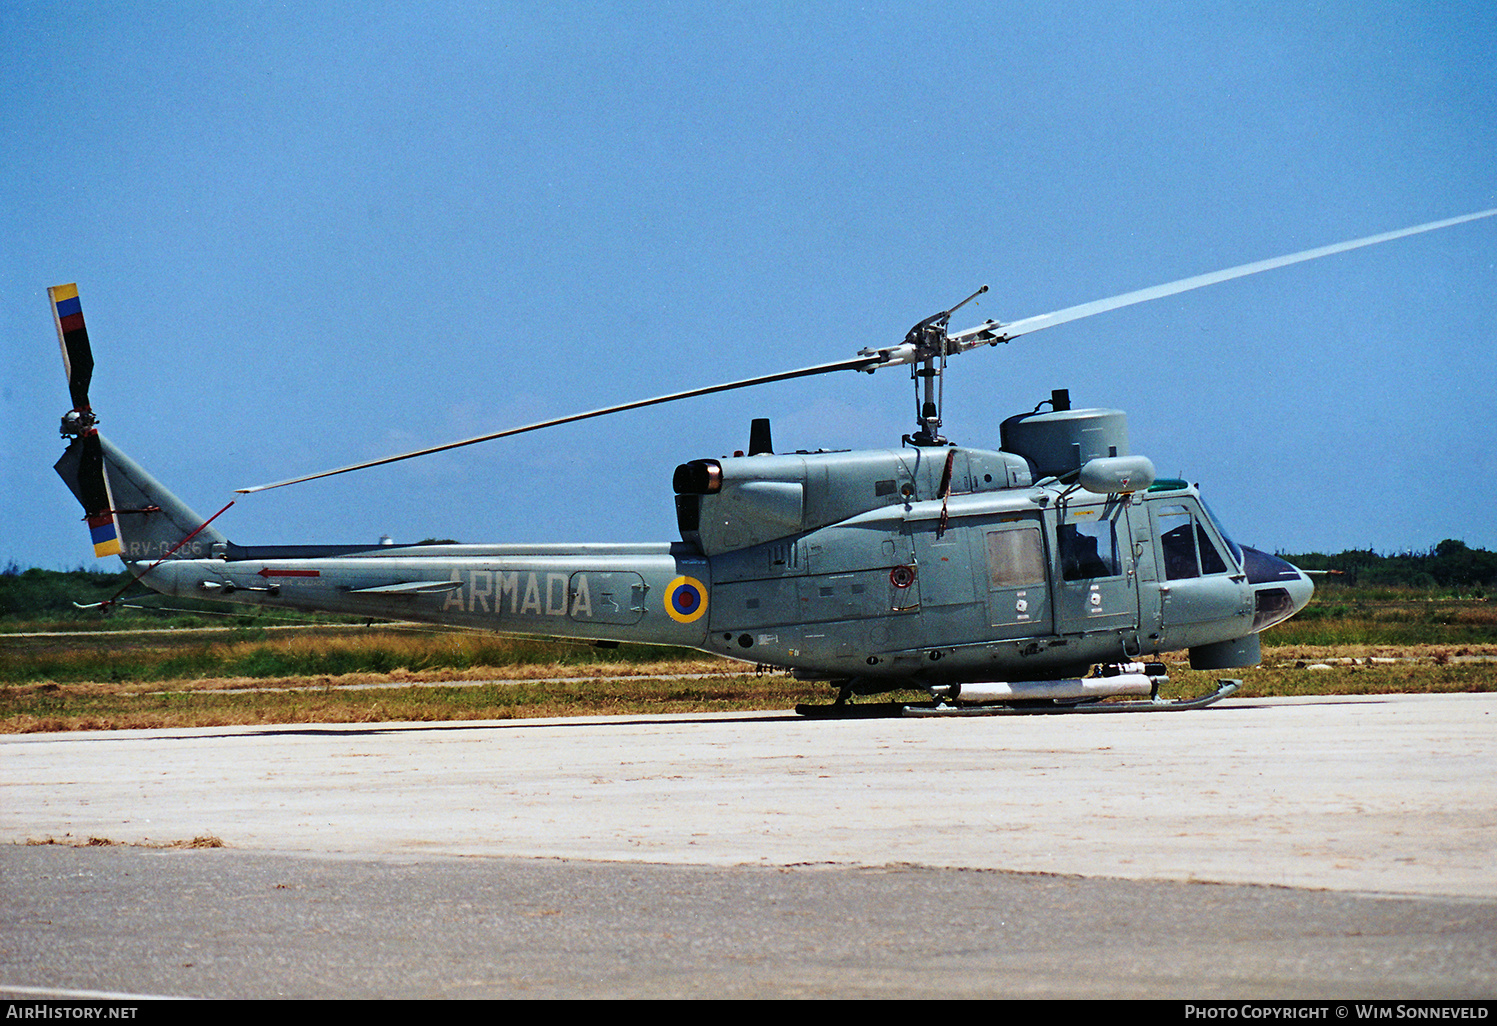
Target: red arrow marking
[(267, 572)]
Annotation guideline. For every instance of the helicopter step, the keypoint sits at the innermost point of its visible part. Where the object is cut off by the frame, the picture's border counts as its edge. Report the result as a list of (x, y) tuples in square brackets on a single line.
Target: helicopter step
[(1023, 707)]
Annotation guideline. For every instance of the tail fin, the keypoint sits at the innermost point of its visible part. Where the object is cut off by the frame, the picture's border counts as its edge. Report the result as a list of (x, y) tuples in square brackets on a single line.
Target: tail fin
[(129, 513), (136, 518)]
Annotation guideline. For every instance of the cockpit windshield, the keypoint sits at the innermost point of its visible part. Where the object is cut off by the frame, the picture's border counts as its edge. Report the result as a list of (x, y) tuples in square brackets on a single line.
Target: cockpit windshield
[(1216, 522)]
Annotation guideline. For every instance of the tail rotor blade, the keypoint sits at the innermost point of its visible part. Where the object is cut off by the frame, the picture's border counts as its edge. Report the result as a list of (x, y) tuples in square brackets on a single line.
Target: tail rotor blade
[(82, 465), (93, 493), (82, 468), (77, 356)]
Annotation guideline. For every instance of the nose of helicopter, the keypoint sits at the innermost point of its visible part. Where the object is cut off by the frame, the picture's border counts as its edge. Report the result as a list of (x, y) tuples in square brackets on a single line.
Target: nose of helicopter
[(1303, 590), (1280, 589)]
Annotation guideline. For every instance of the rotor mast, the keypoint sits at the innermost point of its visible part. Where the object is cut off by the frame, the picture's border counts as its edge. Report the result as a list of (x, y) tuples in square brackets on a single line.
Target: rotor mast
[(931, 345)]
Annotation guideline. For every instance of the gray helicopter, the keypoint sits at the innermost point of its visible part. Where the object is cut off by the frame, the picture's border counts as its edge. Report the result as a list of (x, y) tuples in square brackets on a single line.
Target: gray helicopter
[(1045, 575)]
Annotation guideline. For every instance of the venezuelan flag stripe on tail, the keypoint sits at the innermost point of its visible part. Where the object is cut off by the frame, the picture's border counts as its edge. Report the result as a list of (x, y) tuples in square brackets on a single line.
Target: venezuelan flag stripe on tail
[(105, 535)]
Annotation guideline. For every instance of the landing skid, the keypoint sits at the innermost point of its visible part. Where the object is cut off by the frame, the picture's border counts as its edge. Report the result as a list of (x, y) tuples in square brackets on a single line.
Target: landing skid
[(872, 710)]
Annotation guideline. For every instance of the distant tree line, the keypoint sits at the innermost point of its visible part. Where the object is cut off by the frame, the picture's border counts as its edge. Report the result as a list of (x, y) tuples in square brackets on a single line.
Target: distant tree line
[(1450, 564), (25, 594)]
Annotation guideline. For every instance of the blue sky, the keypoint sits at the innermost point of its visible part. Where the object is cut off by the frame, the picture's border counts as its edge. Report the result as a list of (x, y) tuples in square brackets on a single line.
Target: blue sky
[(305, 235)]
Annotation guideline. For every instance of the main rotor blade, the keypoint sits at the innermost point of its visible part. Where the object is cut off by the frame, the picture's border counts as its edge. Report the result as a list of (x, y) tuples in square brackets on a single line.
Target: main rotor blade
[(986, 333), (857, 363), (874, 359)]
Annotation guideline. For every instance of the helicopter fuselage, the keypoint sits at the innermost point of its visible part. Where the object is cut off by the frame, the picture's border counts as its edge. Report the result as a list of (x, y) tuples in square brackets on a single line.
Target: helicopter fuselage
[(912, 566)]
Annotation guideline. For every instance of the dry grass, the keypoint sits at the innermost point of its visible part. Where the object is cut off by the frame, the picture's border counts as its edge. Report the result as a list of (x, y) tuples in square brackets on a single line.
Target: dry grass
[(1312, 653), (104, 706), (324, 675), (1346, 670), (363, 698), (308, 652), (401, 677)]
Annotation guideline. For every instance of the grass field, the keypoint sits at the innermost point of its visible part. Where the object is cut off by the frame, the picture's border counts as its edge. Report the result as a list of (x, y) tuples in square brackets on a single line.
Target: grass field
[(138, 673)]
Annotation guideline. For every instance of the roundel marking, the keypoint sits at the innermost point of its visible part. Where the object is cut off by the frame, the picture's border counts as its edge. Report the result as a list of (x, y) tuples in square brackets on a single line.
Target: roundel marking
[(685, 599)]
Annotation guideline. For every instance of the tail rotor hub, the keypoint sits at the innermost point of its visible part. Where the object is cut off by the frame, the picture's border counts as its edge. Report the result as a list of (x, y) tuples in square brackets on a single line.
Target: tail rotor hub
[(77, 423)]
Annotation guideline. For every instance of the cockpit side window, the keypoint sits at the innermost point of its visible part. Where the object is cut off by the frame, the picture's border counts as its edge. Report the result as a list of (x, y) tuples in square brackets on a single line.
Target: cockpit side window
[(1211, 560), (1188, 548), (1177, 537)]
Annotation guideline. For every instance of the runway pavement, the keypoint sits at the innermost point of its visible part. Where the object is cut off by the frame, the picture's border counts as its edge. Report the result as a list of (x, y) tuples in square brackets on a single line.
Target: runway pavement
[(1390, 797), (1393, 795)]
